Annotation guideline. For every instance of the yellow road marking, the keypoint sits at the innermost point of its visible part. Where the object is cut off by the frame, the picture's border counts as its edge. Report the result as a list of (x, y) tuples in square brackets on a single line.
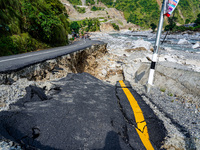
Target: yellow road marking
[(139, 118)]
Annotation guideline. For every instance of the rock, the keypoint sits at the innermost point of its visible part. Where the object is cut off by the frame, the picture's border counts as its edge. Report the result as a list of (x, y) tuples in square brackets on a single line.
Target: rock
[(106, 27), (196, 45), (183, 42), (2, 104), (192, 62), (135, 49), (171, 59), (69, 36), (142, 45), (104, 72)]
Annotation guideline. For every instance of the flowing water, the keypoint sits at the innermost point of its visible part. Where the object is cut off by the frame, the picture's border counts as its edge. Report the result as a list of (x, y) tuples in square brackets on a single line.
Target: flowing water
[(170, 41)]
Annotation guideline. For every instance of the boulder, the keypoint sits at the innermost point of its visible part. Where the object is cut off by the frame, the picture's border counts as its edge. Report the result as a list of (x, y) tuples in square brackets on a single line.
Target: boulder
[(196, 45), (106, 27), (183, 42), (142, 45)]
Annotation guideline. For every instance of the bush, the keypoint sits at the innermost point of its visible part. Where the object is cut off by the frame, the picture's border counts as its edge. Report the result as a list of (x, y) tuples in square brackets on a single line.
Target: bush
[(90, 2), (93, 25), (16, 44), (94, 8), (153, 27), (59, 37), (75, 26), (80, 10), (6, 46), (116, 27), (25, 23), (75, 2)]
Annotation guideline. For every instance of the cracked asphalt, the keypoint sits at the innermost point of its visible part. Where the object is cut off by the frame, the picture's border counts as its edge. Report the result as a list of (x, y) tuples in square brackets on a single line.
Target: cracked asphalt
[(79, 112)]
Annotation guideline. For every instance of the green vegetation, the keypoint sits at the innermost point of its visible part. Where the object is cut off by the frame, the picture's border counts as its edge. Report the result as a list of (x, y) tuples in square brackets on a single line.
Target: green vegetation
[(94, 8), (75, 26), (187, 21), (116, 27), (27, 25), (170, 94), (174, 28), (90, 2), (162, 89), (197, 21), (80, 10), (144, 13), (140, 12), (75, 2), (153, 27), (120, 22), (172, 23), (93, 25), (87, 25), (189, 9), (109, 3)]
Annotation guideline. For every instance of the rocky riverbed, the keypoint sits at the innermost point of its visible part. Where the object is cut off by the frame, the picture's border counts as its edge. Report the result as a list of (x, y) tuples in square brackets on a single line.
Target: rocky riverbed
[(175, 96)]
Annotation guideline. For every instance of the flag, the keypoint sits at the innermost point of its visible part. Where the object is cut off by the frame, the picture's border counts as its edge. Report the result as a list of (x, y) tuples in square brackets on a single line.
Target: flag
[(170, 7)]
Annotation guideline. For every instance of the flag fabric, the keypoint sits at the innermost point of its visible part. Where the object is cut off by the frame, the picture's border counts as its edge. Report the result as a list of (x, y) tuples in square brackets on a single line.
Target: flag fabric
[(170, 7)]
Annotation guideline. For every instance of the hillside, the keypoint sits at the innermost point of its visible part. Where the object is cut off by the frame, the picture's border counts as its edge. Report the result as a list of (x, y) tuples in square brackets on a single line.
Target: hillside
[(143, 13), (100, 11), (27, 25)]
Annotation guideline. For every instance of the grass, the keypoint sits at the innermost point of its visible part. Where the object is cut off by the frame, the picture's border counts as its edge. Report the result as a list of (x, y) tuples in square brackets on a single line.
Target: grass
[(120, 22), (162, 89), (170, 94)]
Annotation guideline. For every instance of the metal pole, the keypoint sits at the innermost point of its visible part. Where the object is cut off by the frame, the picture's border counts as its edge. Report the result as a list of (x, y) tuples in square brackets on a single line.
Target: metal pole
[(156, 47)]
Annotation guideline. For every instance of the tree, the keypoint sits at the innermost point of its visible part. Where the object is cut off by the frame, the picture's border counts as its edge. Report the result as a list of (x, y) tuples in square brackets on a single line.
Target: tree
[(197, 21), (75, 26), (172, 23), (187, 21), (115, 26), (153, 27)]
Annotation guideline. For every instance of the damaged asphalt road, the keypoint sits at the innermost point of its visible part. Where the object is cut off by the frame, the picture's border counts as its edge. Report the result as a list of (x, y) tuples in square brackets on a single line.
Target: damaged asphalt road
[(80, 112)]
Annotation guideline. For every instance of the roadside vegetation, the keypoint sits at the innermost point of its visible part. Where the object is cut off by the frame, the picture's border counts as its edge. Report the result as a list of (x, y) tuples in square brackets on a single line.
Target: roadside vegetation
[(27, 25), (80, 10)]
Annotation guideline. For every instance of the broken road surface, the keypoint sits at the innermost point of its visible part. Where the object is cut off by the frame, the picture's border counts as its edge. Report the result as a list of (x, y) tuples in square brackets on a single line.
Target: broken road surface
[(82, 112)]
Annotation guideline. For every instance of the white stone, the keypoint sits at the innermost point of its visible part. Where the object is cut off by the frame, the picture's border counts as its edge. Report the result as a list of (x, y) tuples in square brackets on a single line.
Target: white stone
[(161, 58), (183, 42), (196, 45), (104, 72), (171, 59), (192, 62), (142, 43)]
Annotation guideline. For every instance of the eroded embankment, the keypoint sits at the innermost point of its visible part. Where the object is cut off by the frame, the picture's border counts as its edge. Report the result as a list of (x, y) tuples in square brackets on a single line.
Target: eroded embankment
[(77, 62)]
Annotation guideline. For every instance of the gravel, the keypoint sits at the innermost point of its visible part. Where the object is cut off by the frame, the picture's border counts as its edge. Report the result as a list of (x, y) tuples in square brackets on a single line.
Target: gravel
[(9, 145)]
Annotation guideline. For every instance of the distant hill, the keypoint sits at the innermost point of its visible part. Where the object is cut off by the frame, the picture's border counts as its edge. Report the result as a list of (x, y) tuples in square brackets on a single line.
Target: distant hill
[(96, 10), (145, 12)]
